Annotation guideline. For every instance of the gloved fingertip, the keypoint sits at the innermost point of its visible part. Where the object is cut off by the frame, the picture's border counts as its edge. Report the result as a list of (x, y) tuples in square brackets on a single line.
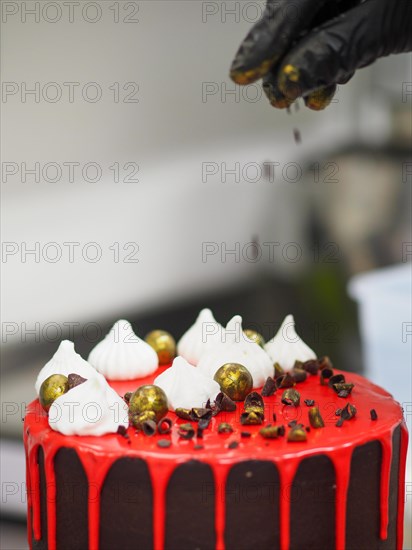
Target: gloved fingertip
[(288, 82), (244, 76), (275, 97), (321, 98)]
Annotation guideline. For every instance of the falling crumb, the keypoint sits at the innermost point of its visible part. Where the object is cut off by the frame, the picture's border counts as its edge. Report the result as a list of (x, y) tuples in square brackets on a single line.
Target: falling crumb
[(297, 136)]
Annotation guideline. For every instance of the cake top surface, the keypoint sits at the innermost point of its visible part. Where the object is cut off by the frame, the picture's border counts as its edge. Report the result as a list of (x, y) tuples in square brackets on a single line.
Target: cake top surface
[(245, 441)]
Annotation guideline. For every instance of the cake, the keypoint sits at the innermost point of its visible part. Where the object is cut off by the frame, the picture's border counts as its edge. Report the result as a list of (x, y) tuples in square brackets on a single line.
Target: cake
[(308, 457)]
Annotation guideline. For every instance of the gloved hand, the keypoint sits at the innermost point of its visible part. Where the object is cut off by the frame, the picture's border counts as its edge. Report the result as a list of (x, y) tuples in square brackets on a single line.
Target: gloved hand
[(305, 48)]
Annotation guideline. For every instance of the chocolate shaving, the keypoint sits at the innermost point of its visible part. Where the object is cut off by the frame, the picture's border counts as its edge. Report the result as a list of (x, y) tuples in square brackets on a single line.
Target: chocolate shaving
[(278, 370), (298, 375), (164, 443), (149, 427), (185, 414), (253, 399), (164, 426), (251, 418), (200, 413), (186, 431), (311, 366), (336, 379), (291, 397), (325, 362), (339, 423), (325, 374), (297, 434), (285, 381), (204, 423), (127, 396), (343, 389), (269, 432), (309, 402), (269, 388), (122, 430), (338, 412), (75, 380), (374, 414), (224, 428), (315, 418), (224, 403), (348, 412), (233, 445)]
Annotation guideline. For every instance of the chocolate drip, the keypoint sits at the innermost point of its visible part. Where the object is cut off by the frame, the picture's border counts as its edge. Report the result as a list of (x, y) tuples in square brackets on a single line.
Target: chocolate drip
[(126, 506), (190, 508)]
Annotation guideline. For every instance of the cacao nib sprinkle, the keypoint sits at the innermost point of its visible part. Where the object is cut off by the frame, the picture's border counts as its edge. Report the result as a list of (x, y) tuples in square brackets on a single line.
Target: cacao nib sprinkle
[(198, 447), (274, 417), (292, 423), (164, 443), (164, 426), (338, 412), (269, 387), (374, 414), (307, 428), (75, 380), (309, 402), (245, 434), (281, 430), (339, 423), (233, 445)]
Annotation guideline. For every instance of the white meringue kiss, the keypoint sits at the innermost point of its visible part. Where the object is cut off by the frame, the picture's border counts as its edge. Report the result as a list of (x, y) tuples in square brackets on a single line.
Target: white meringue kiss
[(235, 347), (185, 386), (122, 355), (65, 361), (286, 346), (200, 337), (91, 408)]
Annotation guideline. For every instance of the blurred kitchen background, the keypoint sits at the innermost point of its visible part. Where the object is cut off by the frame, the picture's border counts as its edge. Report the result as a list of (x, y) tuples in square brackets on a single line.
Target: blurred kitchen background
[(139, 182)]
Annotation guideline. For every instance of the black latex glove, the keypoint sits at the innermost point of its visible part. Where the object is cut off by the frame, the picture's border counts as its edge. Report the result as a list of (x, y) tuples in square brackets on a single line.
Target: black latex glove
[(304, 48)]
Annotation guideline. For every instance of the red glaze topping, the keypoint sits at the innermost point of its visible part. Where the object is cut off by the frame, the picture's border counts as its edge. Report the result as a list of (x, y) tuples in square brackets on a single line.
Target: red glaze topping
[(97, 454)]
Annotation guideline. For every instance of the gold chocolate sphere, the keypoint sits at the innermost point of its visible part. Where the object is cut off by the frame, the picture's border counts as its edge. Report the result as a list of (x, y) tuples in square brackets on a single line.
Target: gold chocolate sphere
[(53, 387), (255, 336), (149, 398), (164, 345), (234, 380)]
